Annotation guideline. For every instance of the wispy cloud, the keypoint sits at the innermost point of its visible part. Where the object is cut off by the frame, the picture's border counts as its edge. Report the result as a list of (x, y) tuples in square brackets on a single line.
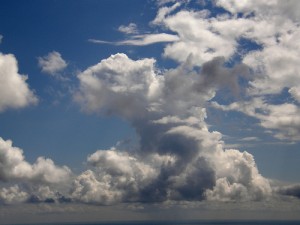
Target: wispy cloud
[(250, 139), (141, 40)]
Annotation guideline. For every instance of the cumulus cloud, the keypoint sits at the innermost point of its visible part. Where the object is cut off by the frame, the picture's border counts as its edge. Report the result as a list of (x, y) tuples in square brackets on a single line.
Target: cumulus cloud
[(39, 181), (13, 166), (52, 63), (118, 84), (117, 177), (239, 179), (12, 195), (191, 162), (14, 90)]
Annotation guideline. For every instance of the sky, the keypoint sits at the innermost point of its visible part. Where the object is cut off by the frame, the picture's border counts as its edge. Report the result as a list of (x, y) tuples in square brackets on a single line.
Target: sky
[(142, 110)]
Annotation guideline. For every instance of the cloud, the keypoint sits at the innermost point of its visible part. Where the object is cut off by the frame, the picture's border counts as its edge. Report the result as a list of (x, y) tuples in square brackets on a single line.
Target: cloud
[(14, 166), (270, 30), (266, 8), (42, 181), (164, 11), (163, 2), (191, 163), (295, 92), (1, 38), (250, 139), (141, 40), (130, 29), (12, 195), (52, 63), (37, 182), (196, 37), (117, 177), (275, 31), (118, 85), (240, 179), (14, 90), (283, 118), (291, 190)]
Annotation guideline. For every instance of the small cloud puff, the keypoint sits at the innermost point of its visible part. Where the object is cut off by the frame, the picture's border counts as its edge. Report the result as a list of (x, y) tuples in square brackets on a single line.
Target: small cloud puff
[(130, 29), (52, 63)]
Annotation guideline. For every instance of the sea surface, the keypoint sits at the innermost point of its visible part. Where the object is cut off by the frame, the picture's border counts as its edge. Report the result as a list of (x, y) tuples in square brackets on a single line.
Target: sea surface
[(265, 222)]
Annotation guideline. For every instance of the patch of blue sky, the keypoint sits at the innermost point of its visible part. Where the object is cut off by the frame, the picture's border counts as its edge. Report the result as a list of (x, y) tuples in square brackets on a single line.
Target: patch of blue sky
[(65, 135)]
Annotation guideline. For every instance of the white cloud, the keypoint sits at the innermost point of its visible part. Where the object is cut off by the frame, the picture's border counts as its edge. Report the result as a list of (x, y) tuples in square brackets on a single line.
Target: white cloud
[(130, 29), (1, 38), (88, 189), (239, 178), (283, 118), (14, 167), (287, 9), (164, 11), (42, 181), (141, 40), (163, 2), (295, 92), (13, 195), (250, 139), (117, 177), (276, 66), (119, 84), (52, 63), (14, 91), (196, 37), (120, 163)]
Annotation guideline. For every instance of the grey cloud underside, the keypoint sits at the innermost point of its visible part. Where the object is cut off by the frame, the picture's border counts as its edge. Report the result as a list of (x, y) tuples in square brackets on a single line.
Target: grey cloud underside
[(292, 190)]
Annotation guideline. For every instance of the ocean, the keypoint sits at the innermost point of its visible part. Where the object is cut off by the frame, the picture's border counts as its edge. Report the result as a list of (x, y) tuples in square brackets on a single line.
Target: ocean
[(265, 222)]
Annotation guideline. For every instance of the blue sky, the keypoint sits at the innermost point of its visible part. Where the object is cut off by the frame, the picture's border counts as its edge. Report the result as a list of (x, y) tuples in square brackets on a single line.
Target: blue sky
[(127, 102)]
